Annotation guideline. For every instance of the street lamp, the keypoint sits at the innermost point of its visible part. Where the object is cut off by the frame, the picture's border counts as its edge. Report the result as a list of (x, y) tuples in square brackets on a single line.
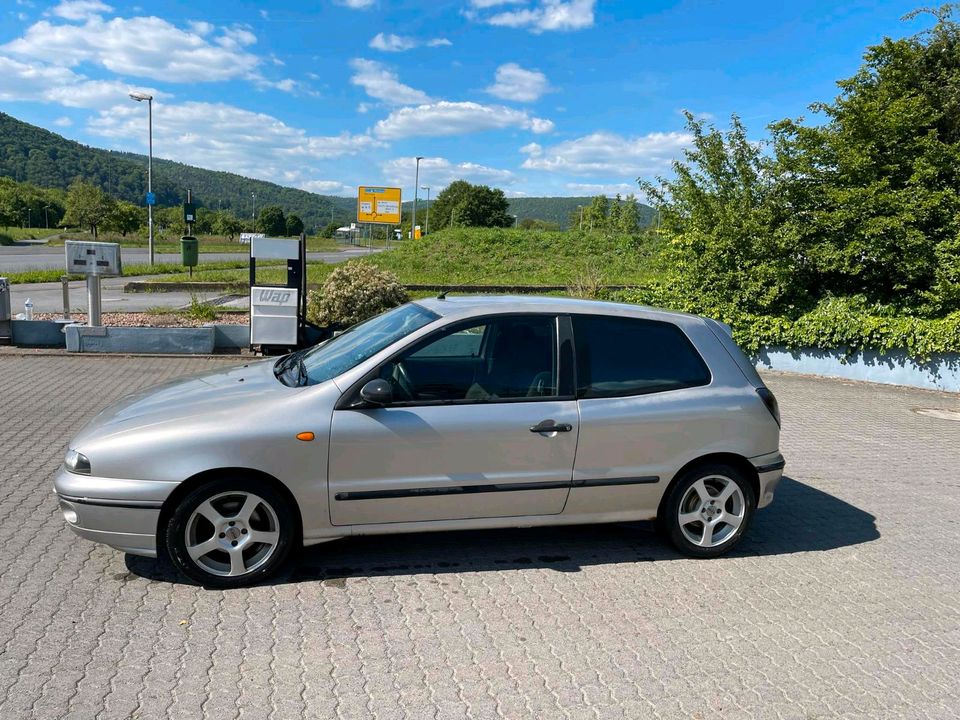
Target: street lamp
[(140, 97), (516, 220), (46, 215), (416, 184), (427, 188), (254, 196)]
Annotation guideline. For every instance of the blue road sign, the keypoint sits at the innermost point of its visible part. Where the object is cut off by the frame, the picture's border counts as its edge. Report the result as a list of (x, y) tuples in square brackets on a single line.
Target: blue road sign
[(151, 198)]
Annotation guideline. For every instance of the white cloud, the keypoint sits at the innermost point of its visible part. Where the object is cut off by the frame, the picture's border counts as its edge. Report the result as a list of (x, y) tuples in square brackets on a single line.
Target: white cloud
[(63, 121), (49, 83), (356, 4), (483, 4), (438, 172), (224, 137), (329, 187), (544, 16), (604, 153), (513, 82), (201, 27), (608, 189), (80, 9), (383, 84), (388, 42), (455, 118), (141, 46)]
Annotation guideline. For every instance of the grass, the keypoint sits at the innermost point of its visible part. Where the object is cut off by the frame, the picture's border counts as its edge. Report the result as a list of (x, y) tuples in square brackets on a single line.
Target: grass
[(582, 262), (482, 256), (171, 269), (167, 243), (15, 233)]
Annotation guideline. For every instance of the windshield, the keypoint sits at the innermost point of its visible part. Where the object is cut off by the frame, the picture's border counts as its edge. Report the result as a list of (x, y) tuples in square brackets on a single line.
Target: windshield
[(362, 341)]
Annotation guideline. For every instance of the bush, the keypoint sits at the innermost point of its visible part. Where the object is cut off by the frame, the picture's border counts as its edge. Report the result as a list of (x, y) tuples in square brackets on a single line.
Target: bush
[(352, 293), (5, 239), (847, 324)]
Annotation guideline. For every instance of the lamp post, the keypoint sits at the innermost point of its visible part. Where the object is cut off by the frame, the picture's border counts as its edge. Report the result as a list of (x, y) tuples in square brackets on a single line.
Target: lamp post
[(416, 184), (140, 97), (254, 196), (46, 215), (427, 223)]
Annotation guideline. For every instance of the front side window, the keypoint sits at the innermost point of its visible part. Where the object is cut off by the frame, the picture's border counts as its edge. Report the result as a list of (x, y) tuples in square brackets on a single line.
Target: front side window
[(619, 356), (503, 358), (363, 341)]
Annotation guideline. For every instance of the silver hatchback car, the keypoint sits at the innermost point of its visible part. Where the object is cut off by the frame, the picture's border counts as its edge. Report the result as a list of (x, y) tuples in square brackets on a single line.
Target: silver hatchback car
[(443, 414)]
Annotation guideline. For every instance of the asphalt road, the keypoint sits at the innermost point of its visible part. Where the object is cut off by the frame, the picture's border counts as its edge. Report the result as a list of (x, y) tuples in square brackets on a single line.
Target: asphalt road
[(48, 297), (841, 602), (17, 258)]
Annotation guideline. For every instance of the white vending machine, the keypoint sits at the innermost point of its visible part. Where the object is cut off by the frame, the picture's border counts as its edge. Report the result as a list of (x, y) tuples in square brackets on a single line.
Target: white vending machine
[(277, 312)]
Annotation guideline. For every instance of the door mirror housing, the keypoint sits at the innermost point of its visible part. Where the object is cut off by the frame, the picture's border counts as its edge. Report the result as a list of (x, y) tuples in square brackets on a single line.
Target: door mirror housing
[(377, 392)]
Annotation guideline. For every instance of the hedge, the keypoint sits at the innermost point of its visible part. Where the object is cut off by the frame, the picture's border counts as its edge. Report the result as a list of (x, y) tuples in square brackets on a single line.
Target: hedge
[(844, 324)]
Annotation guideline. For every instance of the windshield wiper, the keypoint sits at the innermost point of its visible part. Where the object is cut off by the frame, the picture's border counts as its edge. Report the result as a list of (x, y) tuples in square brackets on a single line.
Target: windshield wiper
[(289, 361), (302, 376)]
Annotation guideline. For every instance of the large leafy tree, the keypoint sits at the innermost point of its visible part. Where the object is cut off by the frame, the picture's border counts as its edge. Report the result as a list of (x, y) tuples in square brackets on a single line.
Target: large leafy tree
[(877, 187), (124, 218), (461, 204), (294, 225), (87, 205), (271, 221)]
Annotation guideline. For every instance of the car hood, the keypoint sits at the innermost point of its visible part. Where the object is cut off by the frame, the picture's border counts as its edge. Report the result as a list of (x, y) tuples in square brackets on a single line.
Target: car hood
[(215, 391)]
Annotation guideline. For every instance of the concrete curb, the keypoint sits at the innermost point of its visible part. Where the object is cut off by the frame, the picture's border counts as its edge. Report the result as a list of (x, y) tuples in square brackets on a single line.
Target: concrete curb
[(180, 341)]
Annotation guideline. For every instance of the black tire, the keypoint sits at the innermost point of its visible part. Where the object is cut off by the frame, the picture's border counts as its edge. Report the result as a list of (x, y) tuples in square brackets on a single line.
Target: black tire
[(737, 507), (272, 518)]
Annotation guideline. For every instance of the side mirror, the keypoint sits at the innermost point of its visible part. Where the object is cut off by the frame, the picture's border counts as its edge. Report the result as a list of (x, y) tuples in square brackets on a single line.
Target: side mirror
[(377, 392)]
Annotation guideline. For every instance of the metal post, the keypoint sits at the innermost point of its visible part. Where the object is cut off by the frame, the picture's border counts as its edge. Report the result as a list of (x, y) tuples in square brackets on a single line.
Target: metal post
[(581, 217), (426, 230), (416, 185), (65, 284), (46, 215), (93, 300), (149, 189)]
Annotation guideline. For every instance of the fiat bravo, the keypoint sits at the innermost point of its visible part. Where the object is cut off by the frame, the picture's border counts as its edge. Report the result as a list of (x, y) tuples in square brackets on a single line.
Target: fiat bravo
[(441, 414)]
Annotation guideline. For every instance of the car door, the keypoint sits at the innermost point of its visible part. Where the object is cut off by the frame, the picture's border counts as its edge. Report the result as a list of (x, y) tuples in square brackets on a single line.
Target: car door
[(641, 388), (484, 423)]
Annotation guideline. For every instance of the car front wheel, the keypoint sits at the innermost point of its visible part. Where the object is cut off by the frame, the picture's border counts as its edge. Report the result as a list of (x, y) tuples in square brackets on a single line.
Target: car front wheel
[(230, 533), (708, 511)]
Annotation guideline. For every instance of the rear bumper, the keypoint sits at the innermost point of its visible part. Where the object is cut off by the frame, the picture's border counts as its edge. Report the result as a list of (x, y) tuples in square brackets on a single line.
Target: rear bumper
[(769, 470), (120, 513)]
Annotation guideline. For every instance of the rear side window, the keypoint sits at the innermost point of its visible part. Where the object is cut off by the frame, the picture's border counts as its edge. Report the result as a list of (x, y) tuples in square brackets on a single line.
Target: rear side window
[(628, 356)]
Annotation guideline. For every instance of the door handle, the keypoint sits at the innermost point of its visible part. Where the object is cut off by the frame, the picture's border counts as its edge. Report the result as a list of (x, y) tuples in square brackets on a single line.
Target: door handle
[(545, 426)]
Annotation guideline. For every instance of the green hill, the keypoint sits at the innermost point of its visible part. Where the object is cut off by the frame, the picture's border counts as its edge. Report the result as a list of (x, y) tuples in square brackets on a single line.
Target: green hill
[(32, 154)]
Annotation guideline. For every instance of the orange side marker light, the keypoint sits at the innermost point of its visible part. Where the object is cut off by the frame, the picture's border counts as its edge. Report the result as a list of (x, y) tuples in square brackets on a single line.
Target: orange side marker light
[(305, 436)]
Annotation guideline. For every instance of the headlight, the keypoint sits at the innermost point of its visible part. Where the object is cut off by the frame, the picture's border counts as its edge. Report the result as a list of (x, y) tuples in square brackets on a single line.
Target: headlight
[(77, 462)]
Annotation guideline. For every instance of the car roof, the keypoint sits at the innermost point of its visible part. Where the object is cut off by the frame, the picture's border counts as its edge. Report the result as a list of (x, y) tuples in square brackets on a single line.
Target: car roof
[(469, 305)]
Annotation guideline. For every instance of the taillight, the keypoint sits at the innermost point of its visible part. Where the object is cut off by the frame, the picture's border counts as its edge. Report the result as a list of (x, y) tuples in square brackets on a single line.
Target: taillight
[(770, 400)]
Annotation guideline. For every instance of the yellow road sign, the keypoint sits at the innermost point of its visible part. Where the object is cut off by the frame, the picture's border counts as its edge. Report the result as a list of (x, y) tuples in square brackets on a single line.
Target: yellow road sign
[(378, 205)]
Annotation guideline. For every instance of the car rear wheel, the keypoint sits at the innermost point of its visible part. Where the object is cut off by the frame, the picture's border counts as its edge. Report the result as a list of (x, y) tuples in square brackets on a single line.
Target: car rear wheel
[(708, 511), (230, 533)]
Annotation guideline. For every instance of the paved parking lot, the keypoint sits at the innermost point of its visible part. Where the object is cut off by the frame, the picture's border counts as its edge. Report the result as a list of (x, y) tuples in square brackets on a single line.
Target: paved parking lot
[(843, 601)]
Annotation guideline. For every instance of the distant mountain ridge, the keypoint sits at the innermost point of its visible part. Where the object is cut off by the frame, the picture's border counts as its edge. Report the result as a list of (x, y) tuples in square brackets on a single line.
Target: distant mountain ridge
[(32, 154)]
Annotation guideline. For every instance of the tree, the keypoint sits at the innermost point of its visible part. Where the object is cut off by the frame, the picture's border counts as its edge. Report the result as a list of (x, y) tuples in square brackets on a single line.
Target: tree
[(87, 205), (125, 217), (226, 224), (330, 229), (271, 221), (462, 204), (294, 225)]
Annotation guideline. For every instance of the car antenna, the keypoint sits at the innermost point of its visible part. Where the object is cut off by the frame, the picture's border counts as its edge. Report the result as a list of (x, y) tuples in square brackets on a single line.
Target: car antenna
[(442, 295)]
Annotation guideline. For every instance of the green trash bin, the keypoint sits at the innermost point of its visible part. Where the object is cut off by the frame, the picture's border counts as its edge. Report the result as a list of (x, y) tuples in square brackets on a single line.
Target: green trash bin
[(189, 251)]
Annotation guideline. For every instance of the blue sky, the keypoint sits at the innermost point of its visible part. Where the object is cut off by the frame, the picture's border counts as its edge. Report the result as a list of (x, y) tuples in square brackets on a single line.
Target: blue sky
[(538, 97)]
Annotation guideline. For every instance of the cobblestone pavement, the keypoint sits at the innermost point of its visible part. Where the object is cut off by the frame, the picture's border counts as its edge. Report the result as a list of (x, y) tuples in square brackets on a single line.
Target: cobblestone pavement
[(841, 602)]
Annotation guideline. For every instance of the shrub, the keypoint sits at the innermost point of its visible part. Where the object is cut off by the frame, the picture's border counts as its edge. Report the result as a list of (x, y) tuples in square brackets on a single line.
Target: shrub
[(352, 293), (5, 239)]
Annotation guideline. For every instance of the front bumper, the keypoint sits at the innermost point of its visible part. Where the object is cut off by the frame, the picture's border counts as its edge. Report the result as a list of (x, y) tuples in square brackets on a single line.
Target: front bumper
[(120, 513), (769, 471)]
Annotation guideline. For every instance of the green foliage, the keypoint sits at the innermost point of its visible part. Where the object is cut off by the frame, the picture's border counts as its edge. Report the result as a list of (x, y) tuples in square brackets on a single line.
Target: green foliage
[(533, 224), (352, 293), (564, 211), (124, 218), (461, 204), (54, 274), (201, 309), (5, 239), (294, 225), (225, 224), (26, 205), (270, 220), (329, 230), (87, 205)]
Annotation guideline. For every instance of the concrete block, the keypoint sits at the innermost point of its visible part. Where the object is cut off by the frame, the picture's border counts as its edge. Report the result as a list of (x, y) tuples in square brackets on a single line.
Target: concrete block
[(231, 336), (178, 341), (37, 333)]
